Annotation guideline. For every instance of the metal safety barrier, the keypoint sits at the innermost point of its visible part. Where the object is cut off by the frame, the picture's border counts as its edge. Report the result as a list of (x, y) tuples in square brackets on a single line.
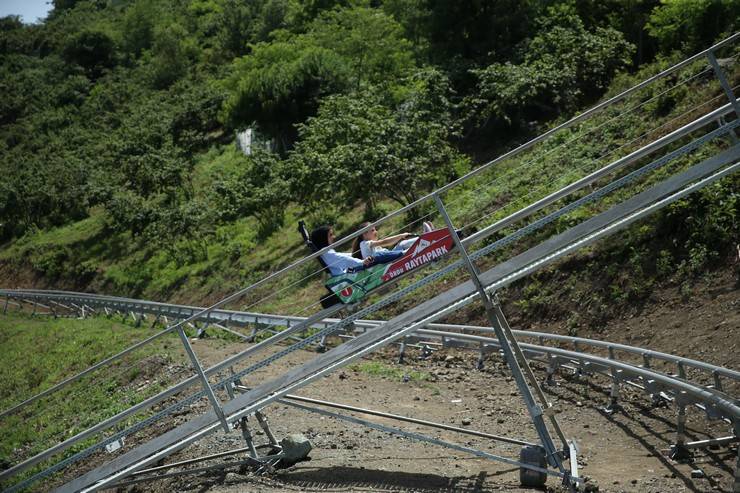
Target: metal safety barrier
[(417, 319)]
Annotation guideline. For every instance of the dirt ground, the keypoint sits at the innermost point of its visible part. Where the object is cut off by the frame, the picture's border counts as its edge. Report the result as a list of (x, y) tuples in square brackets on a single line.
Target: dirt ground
[(621, 452)]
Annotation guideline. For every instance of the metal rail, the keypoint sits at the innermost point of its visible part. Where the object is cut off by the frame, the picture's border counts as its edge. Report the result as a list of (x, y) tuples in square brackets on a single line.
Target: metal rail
[(359, 325), (689, 177), (586, 233), (213, 315), (501, 275), (447, 332), (594, 363)]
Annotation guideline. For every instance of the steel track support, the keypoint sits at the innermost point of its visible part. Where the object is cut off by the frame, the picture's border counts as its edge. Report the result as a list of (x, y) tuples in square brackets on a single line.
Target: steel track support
[(552, 365), (201, 330), (614, 392), (204, 379), (265, 425), (255, 330), (679, 451), (723, 82), (722, 121), (728, 90), (736, 485), (402, 351), (426, 352), (247, 435), (480, 364), (511, 350), (717, 381)]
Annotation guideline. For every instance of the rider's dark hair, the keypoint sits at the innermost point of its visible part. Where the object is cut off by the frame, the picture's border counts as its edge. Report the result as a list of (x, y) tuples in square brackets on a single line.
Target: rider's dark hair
[(358, 239), (320, 237)]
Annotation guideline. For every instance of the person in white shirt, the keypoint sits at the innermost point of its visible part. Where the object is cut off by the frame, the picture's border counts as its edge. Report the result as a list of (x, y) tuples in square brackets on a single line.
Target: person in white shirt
[(368, 244), (340, 263)]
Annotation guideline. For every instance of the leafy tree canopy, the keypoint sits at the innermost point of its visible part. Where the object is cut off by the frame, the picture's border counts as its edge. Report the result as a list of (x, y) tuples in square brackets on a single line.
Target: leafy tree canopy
[(563, 66), (358, 149), (692, 25), (110, 104)]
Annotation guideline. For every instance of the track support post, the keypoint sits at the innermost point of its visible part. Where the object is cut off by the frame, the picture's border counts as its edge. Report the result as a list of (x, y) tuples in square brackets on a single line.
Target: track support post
[(265, 425), (736, 484), (204, 379), (247, 435), (513, 355), (679, 451), (481, 363), (725, 85), (614, 392)]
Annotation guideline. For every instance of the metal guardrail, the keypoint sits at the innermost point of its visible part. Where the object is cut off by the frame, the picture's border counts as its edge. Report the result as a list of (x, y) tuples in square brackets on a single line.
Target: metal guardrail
[(583, 234), (445, 332), (450, 335), (227, 316), (236, 409), (126, 305)]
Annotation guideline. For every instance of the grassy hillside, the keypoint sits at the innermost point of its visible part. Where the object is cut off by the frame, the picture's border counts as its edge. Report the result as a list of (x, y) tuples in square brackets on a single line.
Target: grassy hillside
[(122, 175), (687, 241), (52, 350)]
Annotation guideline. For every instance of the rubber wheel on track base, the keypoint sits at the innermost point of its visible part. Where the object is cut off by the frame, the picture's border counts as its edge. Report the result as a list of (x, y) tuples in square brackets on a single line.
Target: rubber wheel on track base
[(534, 456)]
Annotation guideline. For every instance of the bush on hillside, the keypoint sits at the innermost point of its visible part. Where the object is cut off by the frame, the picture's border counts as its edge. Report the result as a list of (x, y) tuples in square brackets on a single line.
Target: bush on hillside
[(562, 67)]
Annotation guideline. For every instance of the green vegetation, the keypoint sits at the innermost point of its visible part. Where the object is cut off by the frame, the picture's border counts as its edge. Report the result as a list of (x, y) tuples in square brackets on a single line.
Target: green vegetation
[(120, 173), (39, 352), (118, 120)]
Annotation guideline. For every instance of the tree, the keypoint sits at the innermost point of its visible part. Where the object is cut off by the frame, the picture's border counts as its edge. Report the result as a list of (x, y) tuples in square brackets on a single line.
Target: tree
[(138, 27), (415, 17), (236, 20), (358, 149), (280, 84), (425, 129), (170, 55), (563, 66), (371, 42), (473, 31), (627, 16), (343, 152), (60, 5), (692, 25), (257, 189), (275, 15), (93, 50)]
